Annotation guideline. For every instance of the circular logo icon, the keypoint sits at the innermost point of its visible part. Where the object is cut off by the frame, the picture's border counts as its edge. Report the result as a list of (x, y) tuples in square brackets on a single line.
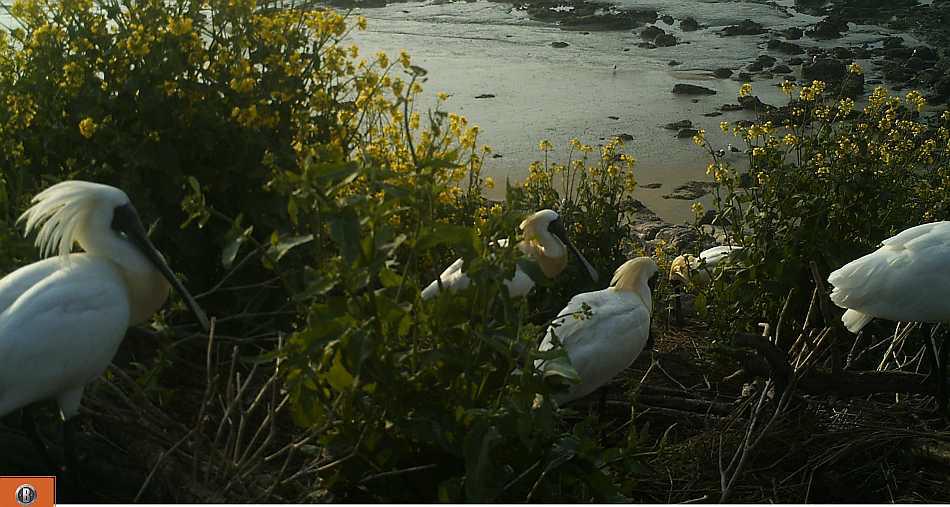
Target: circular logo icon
[(25, 494)]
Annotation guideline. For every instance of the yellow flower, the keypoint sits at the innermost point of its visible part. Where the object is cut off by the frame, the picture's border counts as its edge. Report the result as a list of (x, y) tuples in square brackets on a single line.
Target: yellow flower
[(545, 145), (724, 126), (787, 87), (698, 209), (404, 59), (442, 96), (916, 100), (361, 23), (745, 90), (758, 152), (87, 127), (489, 183), (383, 59), (700, 138), (855, 69)]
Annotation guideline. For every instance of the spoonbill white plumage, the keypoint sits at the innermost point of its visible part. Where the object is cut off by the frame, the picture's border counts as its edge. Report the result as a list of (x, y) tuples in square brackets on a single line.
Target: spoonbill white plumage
[(906, 279), (612, 338), (62, 319), (698, 270), (686, 269), (544, 241)]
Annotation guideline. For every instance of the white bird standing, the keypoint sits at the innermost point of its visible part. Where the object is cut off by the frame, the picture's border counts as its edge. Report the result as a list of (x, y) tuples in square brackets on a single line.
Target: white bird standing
[(544, 241), (612, 338), (62, 319), (906, 279)]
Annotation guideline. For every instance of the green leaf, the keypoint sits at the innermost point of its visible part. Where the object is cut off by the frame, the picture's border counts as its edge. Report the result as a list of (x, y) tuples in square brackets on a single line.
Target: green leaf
[(458, 236), (345, 232), (338, 376), (287, 243), (561, 367), (230, 251), (480, 483)]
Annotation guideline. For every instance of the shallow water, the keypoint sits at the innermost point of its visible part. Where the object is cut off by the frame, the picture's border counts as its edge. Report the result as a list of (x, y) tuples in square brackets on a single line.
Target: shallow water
[(542, 92)]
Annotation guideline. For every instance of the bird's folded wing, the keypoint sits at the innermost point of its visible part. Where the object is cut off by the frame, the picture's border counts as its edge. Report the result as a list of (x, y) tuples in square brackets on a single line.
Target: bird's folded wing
[(934, 231), (60, 333)]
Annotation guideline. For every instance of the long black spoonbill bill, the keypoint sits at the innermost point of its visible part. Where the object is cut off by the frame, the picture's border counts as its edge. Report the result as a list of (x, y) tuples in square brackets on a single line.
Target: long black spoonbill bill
[(612, 338), (62, 319), (544, 241)]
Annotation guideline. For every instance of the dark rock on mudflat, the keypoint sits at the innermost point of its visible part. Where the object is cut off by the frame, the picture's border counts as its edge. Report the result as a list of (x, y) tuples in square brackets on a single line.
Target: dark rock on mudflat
[(853, 85), (485, 96), (559, 44), (713, 114), (646, 45), (613, 117), (925, 53), (824, 69), (782, 69), (746, 27), (754, 67), (666, 18), (625, 137), (651, 185), (789, 48), (722, 72), (674, 63), (828, 28), (680, 237), (651, 32), (842, 53), (684, 133), (766, 60), (744, 76), (795, 61), (690, 89), (892, 42), (664, 40), (676, 125), (689, 24), (753, 103), (793, 33), (730, 107), (691, 190)]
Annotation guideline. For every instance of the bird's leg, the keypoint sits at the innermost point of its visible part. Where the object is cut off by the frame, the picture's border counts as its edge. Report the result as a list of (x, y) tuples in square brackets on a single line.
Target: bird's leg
[(29, 426), (69, 445), (603, 400), (942, 372), (937, 370)]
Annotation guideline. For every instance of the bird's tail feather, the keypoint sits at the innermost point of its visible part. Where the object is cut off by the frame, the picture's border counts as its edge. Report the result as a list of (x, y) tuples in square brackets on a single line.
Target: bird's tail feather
[(855, 320)]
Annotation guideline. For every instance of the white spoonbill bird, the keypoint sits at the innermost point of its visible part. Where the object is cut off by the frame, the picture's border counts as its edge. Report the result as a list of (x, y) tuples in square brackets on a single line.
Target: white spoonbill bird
[(544, 241), (906, 279), (686, 269), (698, 270), (62, 319), (607, 342)]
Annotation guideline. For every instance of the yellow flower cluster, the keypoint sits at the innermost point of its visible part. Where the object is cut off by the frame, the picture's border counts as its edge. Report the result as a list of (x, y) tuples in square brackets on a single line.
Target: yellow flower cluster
[(87, 128)]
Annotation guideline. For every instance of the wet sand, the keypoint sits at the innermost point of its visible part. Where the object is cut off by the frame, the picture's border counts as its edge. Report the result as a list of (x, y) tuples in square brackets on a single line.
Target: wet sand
[(544, 92)]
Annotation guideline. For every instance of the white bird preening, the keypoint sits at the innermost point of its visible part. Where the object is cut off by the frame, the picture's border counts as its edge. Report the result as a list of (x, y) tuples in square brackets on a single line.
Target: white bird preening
[(698, 271), (544, 241), (906, 279), (612, 338), (62, 319)]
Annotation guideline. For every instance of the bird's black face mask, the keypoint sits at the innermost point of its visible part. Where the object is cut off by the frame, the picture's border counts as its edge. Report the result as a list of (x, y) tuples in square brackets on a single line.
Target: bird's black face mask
[(556, 227)]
